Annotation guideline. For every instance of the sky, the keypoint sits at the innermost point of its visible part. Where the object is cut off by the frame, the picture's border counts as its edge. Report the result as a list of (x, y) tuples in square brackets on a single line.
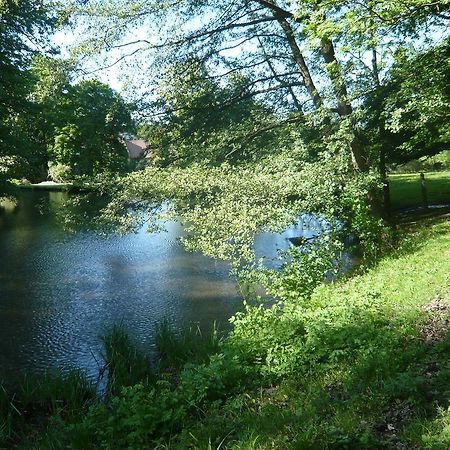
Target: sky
[(64, 40), (127, 74)]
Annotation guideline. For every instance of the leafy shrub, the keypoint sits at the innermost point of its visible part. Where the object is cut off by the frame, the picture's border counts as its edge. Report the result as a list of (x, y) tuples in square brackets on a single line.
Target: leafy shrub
[(59, 172), (223, 375), (141, 416), (138, 417), (437, 436)]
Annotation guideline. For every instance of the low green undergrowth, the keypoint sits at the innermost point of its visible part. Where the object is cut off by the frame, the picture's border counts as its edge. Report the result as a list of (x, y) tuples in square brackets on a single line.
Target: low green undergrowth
[(38, 403), (360, 363)]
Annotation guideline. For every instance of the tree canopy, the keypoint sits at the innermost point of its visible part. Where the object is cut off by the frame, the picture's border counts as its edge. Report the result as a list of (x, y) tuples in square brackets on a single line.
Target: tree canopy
[(308, 56), (310, 90), (412, 107), (86, 133), (241, 69), (46, 115), (24, 31)]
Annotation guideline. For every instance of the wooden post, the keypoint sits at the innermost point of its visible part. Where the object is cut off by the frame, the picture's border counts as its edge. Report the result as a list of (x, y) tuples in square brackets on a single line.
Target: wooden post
[(423, 189)]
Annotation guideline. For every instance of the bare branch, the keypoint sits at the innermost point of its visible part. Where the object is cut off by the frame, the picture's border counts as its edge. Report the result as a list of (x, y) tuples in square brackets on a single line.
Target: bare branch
[(112, 64)]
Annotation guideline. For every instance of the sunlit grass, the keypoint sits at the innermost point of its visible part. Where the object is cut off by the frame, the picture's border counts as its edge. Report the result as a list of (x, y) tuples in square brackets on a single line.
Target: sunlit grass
[(406, 189), (365, 377)]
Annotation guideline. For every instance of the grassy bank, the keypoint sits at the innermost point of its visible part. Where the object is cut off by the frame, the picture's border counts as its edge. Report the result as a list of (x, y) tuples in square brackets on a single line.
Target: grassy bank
[(363, 363), (406, 189)]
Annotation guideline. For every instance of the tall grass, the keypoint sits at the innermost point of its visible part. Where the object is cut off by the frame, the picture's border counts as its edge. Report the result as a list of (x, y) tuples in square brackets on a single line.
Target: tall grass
[(192, 345), (69, 391), (7, 414), (41, 410), (126, 364), (36, 399)]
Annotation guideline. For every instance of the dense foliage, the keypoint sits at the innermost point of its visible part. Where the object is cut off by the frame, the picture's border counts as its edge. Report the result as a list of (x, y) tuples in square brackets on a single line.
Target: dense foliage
[(233, 97), (412, 107), (258, 112), (199, 121), (46, 118), (24, 26), (85, 137), (224, 207)]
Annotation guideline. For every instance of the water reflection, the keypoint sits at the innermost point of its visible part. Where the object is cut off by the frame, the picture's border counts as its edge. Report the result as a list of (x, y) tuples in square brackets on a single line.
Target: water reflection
[(59, 290), (270, 246)]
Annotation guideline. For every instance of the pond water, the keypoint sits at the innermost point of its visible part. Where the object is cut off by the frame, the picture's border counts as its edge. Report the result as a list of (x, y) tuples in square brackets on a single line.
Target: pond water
[(59, 291)]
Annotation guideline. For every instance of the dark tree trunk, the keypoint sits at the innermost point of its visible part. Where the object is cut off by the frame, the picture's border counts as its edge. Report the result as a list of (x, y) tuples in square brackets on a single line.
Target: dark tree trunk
[(385, 181), (300, 61), (344, 107)]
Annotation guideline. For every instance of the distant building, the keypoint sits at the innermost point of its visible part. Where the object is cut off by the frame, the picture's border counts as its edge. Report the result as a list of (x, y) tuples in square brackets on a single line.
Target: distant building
[(137, 149)]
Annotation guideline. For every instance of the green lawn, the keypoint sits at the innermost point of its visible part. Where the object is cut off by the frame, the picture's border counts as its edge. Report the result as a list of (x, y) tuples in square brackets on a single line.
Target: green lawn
[(406, 192)]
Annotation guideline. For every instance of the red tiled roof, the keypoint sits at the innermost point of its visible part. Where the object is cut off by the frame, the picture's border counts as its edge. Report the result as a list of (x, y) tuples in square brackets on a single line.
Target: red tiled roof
[(136, 148)]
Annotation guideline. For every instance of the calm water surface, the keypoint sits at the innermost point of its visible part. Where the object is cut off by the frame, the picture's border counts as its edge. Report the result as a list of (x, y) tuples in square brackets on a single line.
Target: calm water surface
[(59, 291)]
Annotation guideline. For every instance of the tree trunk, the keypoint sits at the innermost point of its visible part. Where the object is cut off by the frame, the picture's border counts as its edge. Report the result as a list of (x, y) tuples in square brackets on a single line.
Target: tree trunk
[(384, 179), (276, 76), (386, 200), (300, 61), (344, 107)]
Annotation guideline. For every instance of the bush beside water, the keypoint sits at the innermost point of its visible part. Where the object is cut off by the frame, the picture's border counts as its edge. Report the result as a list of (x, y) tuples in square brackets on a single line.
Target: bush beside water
[(360, 363)]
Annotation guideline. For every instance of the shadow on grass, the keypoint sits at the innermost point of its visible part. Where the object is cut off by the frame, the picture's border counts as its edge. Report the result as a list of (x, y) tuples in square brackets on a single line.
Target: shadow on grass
[(370, 385), (192, 345), (26, 411), (361, 382), (49, 411), (412, 237)]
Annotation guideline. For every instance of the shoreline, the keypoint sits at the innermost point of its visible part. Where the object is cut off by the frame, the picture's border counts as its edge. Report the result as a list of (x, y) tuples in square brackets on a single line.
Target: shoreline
[(55, 187)]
